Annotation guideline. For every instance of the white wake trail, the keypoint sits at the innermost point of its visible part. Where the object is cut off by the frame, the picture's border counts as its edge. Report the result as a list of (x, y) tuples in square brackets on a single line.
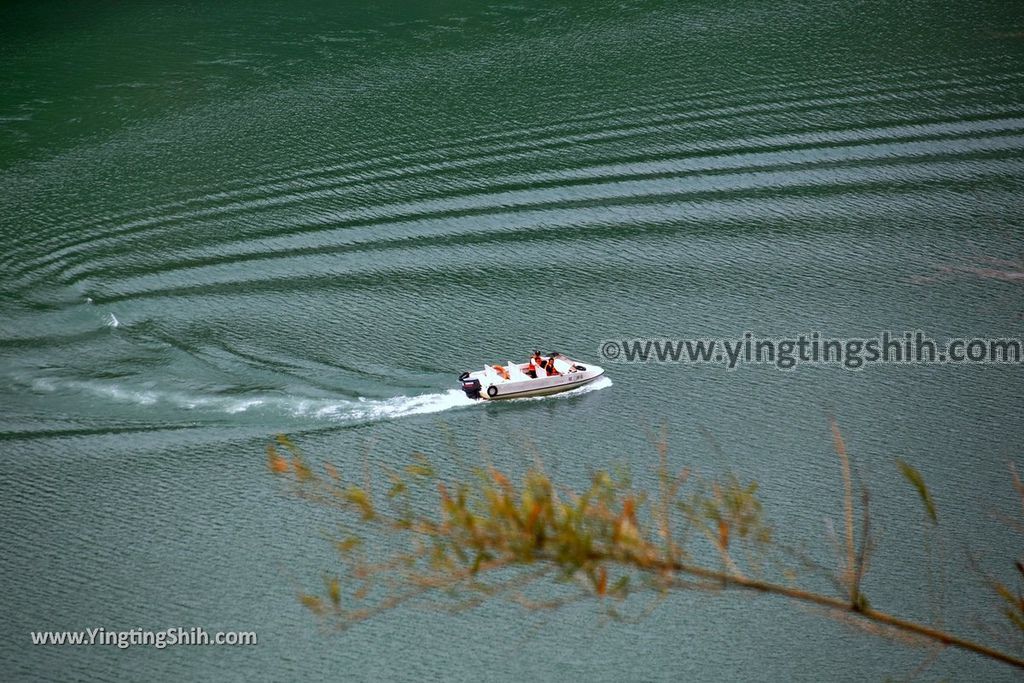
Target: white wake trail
[(334, 410)]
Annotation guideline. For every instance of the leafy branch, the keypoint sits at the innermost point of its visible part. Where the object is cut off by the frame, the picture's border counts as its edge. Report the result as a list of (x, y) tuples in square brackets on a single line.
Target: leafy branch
[(491, 537)]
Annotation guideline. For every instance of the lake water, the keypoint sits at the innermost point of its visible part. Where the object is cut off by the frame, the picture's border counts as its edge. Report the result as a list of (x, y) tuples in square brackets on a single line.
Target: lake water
[(222, 221)]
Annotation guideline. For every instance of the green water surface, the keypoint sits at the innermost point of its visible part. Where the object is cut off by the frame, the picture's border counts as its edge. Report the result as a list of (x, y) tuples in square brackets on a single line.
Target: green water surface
[(222, 221)]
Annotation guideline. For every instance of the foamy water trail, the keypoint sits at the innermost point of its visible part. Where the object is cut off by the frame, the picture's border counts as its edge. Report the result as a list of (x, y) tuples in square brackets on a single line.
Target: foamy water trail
[(316, 408)]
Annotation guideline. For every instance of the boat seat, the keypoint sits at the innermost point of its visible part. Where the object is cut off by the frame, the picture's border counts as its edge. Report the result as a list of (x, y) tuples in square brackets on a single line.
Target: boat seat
[(515, 373), (496, 374)]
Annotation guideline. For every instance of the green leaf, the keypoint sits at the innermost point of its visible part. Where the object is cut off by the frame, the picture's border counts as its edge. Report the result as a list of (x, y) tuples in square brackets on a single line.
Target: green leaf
[(312, 603), (334, 590), (348, 544), (359, 497), (481, 557), (287, 443), (422, 468), (915, 478)]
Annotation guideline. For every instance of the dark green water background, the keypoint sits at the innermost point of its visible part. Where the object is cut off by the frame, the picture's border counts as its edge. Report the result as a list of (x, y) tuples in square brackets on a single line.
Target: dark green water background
[(225, 220)]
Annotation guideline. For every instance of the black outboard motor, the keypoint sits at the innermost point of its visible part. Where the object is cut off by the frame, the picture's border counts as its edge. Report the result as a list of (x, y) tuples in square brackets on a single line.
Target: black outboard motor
[(470, 386)]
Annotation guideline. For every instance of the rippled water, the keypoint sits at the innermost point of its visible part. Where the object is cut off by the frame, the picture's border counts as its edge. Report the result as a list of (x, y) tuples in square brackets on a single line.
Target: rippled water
[(225, 221)]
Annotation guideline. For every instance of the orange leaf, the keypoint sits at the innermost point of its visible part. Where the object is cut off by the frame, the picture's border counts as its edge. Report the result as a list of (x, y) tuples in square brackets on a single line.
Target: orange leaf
[(332, 472), (629, 510), (723, 533), (275, 462), (500, 478), (532, 519)]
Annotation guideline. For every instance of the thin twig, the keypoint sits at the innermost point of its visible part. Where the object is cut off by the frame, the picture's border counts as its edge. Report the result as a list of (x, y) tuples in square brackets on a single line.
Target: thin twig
[(844, 460)]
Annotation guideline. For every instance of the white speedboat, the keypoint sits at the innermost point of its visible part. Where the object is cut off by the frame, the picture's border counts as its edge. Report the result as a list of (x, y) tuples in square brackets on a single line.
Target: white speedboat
[(519, 380)]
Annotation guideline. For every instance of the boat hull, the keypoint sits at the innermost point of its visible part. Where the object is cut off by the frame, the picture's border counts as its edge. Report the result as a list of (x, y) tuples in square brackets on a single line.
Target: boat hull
[(495, 383), (540, 391)]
